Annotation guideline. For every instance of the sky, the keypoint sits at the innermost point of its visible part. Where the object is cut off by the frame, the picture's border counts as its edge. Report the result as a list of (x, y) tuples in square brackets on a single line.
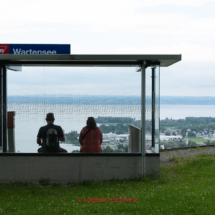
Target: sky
[(183, 27)]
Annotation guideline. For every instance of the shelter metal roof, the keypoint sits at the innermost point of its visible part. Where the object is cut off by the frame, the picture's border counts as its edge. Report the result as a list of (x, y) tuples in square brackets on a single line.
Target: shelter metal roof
[(88, 60)]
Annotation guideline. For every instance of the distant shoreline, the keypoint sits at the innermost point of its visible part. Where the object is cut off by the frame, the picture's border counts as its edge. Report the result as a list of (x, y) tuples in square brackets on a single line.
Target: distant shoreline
[(106, 100)]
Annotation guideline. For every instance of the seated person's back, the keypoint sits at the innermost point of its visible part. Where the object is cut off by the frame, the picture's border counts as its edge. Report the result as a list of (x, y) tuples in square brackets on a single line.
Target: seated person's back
[(90, 137), (50, 135)]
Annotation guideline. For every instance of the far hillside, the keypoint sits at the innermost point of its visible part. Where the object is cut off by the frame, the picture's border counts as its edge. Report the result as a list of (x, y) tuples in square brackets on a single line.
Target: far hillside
[(106, 99), (114, 120)]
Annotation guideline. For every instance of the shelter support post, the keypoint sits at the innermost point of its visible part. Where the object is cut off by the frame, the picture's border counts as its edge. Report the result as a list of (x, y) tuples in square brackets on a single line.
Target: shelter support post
[(143, 99), (3, 108), (152, 155), (153, 107)]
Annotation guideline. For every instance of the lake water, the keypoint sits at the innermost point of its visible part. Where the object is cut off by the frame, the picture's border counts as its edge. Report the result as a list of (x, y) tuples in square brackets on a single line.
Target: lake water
[(182, 111), (29, 118)]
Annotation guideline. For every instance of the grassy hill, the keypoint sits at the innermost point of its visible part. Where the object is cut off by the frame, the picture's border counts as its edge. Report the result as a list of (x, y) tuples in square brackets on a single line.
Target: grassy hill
[(186, 187)]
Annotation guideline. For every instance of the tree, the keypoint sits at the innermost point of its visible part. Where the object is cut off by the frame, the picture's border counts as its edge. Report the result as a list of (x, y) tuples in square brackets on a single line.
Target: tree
[(121, 146), (183, 132), (173, 133), (72, 137), (118, 129), (168, 134), (107, 149), (191, 143), (118, 151), (182, 144), (191, 134), (126, 148), (209, 143), (76, 151), (122, 141)]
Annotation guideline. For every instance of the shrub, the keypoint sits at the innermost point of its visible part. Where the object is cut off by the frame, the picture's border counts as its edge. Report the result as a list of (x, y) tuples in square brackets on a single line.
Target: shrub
[(44, 182)]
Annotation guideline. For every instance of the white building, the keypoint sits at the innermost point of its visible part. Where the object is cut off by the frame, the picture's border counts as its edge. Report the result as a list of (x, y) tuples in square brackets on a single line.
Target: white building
[(170, 138), (109, 135), (123, 136)]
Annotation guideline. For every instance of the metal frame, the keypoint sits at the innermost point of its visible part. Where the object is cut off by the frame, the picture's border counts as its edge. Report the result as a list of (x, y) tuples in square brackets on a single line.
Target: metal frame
[(3, 108), (88, 60), (153, 107), (143, 96)]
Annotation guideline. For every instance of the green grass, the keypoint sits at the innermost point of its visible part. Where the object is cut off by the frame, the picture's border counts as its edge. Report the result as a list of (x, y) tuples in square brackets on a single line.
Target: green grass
[(187, 187), (107, 144), (197, 139)]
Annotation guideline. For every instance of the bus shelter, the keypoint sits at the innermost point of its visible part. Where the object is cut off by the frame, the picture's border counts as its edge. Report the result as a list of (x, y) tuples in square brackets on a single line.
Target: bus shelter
[(145, 158)]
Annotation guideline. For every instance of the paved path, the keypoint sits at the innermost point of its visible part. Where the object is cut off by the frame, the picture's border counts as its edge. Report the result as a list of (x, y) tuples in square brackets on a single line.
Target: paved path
[(164, 156)]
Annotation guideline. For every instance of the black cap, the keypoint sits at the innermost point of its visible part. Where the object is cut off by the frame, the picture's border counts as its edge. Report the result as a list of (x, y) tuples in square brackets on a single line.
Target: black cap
[(50, 116)]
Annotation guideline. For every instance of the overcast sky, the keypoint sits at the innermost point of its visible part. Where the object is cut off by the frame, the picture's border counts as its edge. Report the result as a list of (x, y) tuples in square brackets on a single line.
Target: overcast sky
[(116, 27)]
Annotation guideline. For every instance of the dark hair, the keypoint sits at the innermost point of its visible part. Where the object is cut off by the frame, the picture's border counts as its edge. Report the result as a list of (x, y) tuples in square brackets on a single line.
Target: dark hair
[(91, 123), (50, 116)]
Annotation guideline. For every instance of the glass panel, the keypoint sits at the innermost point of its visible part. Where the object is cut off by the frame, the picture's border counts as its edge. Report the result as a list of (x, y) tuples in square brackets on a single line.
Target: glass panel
[(152, 114), (157, 109), (110, 94), (148, 111)]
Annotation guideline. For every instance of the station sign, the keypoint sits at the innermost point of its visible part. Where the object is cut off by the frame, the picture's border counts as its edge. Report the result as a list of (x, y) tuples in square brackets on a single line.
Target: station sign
[(34, 49)]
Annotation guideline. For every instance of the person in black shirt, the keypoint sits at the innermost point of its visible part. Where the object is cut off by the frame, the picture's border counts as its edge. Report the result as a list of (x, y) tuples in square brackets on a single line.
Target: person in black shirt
[(50, 135)]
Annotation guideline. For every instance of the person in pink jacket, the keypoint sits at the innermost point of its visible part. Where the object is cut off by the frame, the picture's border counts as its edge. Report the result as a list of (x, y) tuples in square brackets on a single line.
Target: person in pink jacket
[(90, 137)]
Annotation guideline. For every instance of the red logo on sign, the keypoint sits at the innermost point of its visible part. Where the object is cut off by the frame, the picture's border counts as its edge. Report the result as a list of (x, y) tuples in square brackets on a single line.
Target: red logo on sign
[(4, 49)]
